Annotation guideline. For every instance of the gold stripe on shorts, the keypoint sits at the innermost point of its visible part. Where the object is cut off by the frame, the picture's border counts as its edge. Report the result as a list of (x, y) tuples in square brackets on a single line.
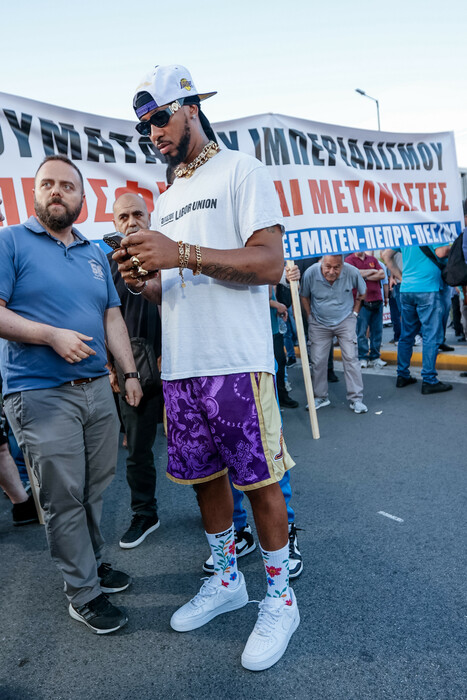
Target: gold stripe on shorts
[(274, 448), (202, 480)]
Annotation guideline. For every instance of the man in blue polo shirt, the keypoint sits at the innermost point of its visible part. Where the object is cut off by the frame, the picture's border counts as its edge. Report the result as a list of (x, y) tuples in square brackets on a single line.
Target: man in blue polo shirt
[(421, 304), (58, 309)]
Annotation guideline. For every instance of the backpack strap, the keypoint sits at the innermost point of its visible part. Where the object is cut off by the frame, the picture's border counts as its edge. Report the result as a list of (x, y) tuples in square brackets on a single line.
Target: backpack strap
[(431, 256)]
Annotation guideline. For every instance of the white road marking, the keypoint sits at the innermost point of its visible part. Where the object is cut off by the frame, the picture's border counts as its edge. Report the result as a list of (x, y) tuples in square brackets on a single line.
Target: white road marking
[(392, 517)]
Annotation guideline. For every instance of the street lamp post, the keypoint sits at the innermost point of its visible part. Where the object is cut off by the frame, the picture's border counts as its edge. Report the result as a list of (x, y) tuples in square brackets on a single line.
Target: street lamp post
[(362, 92)]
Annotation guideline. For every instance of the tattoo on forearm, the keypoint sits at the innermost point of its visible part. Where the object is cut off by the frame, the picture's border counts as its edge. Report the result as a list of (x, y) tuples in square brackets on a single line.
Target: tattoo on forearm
[(229, 274)]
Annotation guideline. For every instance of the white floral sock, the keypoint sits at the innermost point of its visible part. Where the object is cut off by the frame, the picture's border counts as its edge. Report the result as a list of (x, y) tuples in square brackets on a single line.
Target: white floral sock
[(277, 572), (224, 557)]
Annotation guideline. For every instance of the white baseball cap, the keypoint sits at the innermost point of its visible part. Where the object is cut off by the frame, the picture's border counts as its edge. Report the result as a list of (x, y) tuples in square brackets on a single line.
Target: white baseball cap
[(163, 85)]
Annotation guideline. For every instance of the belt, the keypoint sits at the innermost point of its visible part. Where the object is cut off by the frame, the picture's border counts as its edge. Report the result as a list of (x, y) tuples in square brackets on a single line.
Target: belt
[(84, 380)]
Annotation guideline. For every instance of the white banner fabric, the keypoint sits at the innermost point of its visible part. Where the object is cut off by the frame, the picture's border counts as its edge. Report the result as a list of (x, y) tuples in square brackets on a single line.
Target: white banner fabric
[(341, 189)]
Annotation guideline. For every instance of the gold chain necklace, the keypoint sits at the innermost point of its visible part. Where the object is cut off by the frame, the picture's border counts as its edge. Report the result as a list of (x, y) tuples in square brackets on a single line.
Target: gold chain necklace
[(210, 150)]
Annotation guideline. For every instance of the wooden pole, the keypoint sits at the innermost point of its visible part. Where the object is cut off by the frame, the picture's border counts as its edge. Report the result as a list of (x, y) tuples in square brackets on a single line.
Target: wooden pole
[(304, 356)]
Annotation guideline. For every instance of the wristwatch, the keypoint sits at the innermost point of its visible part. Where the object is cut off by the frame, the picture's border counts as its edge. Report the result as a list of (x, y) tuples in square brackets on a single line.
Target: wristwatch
[(354, 313), (131, 375)]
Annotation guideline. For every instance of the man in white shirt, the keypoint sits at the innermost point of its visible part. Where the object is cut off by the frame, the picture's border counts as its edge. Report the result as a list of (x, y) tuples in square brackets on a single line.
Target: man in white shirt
[(217, 355)]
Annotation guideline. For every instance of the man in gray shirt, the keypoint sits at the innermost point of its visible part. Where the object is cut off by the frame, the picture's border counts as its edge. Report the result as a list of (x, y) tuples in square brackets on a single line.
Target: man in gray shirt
[(327, 295)]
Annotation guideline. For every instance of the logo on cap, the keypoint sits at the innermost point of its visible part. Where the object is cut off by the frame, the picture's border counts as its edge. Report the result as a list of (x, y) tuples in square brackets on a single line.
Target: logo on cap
[(187, 84)]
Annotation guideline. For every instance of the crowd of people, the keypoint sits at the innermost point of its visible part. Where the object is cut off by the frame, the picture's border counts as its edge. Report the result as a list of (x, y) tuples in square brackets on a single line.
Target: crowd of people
[(135, 317), (423, 288)]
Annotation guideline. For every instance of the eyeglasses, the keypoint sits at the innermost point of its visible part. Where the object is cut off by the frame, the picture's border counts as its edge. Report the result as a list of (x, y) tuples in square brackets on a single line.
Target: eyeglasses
[(159, 119)]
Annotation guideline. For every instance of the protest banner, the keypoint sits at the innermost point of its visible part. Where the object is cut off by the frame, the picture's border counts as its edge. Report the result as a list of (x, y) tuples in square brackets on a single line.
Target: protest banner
[(344, 189), (112, 156), (341, 189)]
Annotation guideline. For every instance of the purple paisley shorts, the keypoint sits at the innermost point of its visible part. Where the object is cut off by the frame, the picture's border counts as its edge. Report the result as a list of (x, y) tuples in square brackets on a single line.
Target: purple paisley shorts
[(228, 423)]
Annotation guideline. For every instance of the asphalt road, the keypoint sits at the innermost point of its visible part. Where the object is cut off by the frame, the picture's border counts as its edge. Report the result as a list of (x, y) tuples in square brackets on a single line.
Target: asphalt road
[(383, 602)]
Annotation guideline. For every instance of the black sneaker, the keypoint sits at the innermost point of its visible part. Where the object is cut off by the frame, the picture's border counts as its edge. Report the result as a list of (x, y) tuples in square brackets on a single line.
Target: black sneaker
[(112, 581), (25, 513), (99, 615), (291, 361), (435, 388), (244, 541), (286, 402), (295, 558), (141, 526), (405, 381), (444, 347), (244, 544)]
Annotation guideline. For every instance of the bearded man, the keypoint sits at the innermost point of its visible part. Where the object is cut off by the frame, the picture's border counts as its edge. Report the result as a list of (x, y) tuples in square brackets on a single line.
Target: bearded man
[(218, 246), (58, 309)]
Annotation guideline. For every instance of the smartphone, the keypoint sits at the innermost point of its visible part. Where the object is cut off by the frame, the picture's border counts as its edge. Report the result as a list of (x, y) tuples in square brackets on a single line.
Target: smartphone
[(113, 239)]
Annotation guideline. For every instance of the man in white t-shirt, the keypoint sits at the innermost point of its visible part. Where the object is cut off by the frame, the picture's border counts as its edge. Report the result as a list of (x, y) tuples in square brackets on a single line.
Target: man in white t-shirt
[(217, 354)]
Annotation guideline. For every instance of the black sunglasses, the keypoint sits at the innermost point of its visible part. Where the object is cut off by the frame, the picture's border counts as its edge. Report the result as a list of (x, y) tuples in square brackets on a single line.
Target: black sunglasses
[(160, 118)]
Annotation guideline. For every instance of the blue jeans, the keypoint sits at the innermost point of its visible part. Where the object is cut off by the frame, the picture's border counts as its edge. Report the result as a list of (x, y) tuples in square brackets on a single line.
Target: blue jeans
[(18, 457), (395, 309), (425, 308), (290, 338), (446, 301), (372, 319)]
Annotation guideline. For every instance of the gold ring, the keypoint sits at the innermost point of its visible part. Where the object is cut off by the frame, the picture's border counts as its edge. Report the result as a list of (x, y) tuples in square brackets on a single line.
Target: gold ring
[(142, 272), (135, 262), (133, 275)]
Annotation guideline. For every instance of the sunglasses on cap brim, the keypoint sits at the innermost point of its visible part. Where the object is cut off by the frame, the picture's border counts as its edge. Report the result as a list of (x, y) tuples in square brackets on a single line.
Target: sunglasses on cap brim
[(160, 118)]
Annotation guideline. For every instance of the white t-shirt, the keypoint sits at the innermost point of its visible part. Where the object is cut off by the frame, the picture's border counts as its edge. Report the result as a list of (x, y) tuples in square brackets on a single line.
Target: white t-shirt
[(212, 327)]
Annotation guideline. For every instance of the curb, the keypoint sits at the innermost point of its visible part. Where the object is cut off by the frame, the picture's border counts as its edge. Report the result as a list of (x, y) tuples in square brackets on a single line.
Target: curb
[(445, 360)]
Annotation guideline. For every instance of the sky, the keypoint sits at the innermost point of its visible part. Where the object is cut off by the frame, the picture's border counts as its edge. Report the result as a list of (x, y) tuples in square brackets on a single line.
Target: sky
[(300, 58)]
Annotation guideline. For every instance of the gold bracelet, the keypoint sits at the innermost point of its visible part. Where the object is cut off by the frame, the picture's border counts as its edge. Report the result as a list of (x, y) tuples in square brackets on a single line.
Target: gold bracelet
[(199, 261), (186, 259), (180, 261), (183, 259)]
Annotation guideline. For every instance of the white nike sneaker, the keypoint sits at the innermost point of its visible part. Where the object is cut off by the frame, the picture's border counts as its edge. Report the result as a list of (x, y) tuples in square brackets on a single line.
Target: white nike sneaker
[(277, 621), (213, 599)]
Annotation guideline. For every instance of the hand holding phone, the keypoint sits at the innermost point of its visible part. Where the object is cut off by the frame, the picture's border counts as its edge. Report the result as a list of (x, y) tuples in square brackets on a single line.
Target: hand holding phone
[(113, 239)]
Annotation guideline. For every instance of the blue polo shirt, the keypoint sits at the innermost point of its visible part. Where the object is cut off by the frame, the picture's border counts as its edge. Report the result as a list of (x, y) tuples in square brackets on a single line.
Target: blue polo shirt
[(66, 287)]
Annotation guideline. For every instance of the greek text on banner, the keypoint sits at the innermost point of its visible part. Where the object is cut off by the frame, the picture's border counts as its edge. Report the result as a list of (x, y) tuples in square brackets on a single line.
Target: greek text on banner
[(341, 189)]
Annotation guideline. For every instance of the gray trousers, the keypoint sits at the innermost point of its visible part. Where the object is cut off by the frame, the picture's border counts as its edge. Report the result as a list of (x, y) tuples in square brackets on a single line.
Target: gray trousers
[(320, 338), (70, 436)]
